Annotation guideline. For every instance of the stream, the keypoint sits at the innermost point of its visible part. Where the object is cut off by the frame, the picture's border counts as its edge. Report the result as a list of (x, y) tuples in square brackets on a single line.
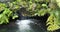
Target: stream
[(27, 25)]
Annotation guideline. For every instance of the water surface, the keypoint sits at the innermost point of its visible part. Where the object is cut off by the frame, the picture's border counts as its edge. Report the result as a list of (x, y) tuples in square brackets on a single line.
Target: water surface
[(28, 25)]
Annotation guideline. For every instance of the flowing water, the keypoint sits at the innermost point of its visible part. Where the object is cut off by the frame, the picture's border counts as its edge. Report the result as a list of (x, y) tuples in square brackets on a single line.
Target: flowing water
[(27, 25)]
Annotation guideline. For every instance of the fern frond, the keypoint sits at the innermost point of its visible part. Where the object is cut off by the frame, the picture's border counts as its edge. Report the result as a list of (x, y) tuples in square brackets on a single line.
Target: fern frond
[(53, 21)]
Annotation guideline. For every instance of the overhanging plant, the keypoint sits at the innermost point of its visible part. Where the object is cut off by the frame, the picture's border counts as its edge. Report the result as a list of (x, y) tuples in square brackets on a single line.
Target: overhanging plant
[(36, 7), (6, 13), (54, 19), (40, 8)]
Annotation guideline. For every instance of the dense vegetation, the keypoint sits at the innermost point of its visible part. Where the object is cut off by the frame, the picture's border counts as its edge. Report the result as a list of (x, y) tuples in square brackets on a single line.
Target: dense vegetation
[(34, 7)]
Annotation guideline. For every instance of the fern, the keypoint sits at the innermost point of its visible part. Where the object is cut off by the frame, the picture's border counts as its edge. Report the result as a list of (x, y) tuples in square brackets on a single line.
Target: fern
[(35, 7), (53, 21), (6, 13)]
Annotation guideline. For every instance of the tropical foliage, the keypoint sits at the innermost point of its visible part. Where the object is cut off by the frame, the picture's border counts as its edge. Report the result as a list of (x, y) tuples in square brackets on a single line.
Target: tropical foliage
[(34, 7), (6, 13)]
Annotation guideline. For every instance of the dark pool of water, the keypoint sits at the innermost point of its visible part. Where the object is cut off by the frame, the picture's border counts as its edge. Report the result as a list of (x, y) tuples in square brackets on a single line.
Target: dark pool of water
[(28, 25)]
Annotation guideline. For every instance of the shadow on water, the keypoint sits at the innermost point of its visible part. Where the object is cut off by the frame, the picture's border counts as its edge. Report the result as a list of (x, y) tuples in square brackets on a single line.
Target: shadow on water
[(26, 24)]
